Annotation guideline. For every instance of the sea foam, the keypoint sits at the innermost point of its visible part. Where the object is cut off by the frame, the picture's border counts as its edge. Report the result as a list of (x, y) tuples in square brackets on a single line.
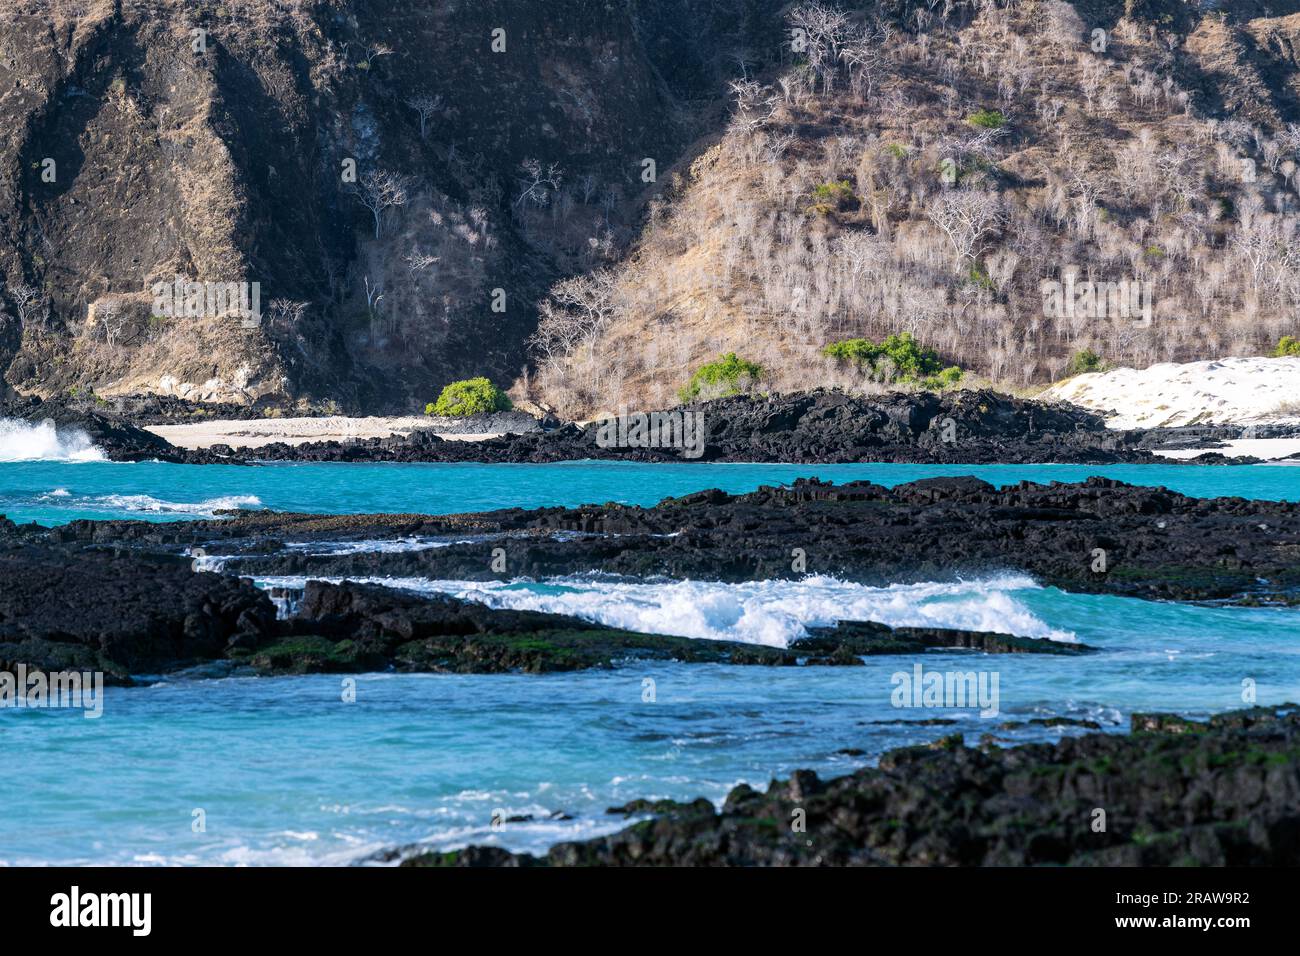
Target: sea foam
[(147, 504), (27, 441), (773, 613)]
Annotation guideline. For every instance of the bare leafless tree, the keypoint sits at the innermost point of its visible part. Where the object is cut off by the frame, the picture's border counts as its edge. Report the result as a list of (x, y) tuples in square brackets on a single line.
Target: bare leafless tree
[(111, 320), (424, 105), (863, 54), (380, 190), (27, 300), (966, 217), (1062, 24), (374, 295), (374, 51), (418, 261), (538, 183), (825, 28), (286, 313), (577, 310), (755, 104)]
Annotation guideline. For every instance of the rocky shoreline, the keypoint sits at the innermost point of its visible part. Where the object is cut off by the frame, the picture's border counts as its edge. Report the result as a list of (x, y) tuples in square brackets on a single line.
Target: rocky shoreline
[(134, 598), (128, 614), (1096, 536), (1173, 792), (817, 427)]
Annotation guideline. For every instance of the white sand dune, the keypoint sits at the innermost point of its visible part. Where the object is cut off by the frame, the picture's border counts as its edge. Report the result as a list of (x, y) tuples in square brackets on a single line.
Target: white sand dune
[(295, 431), (1230, 391)]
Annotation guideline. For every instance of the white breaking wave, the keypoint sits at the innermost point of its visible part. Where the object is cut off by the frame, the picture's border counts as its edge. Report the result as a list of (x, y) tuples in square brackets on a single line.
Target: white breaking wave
[(25, 441), (774, 613), (147, 504), (379, 546)]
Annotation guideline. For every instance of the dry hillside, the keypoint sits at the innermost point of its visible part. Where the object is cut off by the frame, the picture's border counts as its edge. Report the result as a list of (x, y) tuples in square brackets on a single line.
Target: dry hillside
[(660, 181), (926, 167)]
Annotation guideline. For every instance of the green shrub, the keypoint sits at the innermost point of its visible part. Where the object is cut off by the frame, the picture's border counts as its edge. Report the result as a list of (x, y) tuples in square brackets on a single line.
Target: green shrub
[(980, 277), (471, 396), (987, 119), (829, 197), (1287, 345), (1085, 361), (900, 358), (947, 378), (728, 375)]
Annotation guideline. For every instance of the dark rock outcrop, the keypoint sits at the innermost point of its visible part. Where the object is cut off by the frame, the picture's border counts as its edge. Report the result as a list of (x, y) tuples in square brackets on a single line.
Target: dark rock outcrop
[(969, 427), (1100, 536), (1222, 793), (121, 612)]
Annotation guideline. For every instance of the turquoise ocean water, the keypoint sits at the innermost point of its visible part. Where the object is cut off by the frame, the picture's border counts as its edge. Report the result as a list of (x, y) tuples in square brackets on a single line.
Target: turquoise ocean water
[(285, 770), (56, 492)]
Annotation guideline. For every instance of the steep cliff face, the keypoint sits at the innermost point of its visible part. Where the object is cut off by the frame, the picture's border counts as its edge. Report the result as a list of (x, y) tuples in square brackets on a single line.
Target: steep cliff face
[(401, 180), (404, 183)]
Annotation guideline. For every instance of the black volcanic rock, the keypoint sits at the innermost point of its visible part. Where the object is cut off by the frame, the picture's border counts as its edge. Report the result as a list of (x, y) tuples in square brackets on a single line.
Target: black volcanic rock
[(1173, 792), (129, 612), (122, 593), (818, 426), (967, 427), (1099, 536), (121, 612)]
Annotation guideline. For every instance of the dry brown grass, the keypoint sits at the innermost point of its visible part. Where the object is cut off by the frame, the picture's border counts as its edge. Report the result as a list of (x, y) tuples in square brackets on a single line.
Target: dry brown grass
[(1132, 181)]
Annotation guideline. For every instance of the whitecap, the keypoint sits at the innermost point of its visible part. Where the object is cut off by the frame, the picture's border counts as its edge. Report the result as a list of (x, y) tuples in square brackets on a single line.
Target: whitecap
[(27, 441), (148, 504), (773, 613)]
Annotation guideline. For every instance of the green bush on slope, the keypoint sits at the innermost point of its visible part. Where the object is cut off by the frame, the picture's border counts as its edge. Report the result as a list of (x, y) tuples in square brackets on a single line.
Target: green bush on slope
[(471, 396), (729, 375), (899, 358)]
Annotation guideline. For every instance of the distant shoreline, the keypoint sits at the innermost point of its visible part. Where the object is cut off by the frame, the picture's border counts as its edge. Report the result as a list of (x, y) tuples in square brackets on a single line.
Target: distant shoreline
[(256, 433)]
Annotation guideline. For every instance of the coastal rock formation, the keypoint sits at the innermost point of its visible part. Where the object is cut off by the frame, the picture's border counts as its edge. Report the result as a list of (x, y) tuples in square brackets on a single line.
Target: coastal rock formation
[(825, 427), (1174, 792), (969, 427), (129, 612), (129, 600), (120, 612), (1100, 536)]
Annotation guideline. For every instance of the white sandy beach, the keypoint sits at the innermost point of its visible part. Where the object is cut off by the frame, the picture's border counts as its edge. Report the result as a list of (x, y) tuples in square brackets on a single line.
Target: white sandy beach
[(1230, 391), (295, 431), (1266, 448)]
